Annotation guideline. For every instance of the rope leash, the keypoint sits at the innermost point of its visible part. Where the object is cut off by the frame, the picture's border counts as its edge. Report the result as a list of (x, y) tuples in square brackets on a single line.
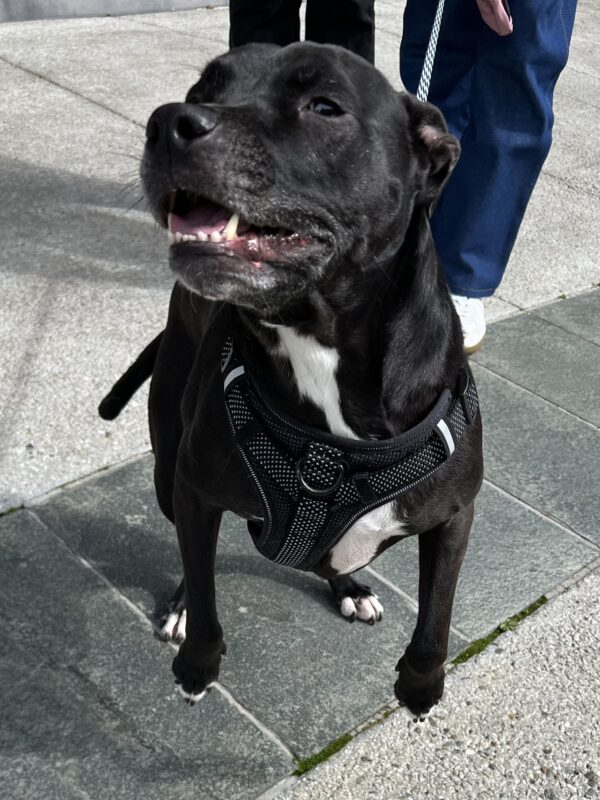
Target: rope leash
[(425, 79)]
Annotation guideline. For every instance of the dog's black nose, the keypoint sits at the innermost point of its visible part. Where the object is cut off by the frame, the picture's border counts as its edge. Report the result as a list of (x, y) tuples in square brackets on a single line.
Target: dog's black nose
[(180, 124)]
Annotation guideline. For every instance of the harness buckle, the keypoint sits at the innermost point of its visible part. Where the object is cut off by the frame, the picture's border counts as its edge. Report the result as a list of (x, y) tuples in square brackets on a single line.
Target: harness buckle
[(315, 492), (463, 385)]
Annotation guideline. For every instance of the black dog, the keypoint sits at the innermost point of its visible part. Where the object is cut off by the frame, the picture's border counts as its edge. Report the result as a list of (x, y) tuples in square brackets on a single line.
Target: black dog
[(312, 365)]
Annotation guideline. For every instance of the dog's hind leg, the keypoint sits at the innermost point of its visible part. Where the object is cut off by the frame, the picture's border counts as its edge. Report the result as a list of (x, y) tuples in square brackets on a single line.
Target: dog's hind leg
[(356, 600), (170, 377), (197, 663), (420, 681)]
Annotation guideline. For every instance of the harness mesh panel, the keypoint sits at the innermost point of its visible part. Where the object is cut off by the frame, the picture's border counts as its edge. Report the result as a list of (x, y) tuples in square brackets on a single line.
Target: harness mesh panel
[(313, 485)]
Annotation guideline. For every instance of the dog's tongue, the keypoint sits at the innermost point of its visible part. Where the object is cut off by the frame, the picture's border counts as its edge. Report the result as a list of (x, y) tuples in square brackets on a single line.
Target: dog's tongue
[(203, 219)]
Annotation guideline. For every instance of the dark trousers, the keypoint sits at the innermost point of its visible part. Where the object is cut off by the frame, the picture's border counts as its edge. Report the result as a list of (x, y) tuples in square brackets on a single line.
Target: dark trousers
[(348, 23), (496, 94)]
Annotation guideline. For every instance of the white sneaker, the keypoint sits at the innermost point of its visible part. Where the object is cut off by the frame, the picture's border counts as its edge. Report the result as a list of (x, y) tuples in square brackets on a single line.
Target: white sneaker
[(472, 319)]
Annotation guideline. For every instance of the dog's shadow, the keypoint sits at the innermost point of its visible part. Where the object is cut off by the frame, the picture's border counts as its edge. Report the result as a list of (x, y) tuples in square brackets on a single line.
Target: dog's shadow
[(89, 230), (243, 575), (115, 524)]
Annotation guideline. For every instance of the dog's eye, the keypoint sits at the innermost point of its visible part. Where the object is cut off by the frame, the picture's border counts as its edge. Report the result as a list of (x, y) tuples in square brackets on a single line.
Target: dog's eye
[(324, 107)]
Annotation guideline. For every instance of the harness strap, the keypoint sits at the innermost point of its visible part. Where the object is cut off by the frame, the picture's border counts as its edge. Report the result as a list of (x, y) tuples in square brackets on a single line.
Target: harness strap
[(314, 485)]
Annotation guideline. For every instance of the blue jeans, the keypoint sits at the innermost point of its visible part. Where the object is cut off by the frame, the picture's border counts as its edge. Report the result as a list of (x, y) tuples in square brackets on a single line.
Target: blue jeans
[(496, 95)]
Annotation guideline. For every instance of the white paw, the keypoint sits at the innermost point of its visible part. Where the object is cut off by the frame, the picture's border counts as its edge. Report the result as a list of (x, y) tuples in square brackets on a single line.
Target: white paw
[(192, 698), (368, 609), (173, 629)]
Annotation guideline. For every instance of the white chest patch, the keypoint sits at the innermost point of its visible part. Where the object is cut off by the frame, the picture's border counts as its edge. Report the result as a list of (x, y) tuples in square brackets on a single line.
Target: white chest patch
[(360, 543), (314, 368)]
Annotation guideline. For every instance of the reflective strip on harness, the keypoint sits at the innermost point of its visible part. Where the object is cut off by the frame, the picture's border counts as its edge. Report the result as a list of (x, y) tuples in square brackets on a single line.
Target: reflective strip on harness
[(314, 486), (231, 376), (448, 438)]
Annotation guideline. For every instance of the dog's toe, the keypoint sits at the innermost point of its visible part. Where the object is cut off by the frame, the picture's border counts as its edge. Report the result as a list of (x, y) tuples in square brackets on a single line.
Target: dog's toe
[(366, 608), (173, 628), (191, 698)]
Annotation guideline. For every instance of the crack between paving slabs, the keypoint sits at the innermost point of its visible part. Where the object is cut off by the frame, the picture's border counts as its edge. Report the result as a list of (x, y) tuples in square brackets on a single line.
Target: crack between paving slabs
[(536, 312), (69, 89), (74, 483), (574, 188), (539, 396), (542, 514)]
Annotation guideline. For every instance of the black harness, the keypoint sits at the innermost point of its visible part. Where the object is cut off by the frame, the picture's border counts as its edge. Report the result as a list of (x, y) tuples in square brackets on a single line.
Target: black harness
[(314, 486)]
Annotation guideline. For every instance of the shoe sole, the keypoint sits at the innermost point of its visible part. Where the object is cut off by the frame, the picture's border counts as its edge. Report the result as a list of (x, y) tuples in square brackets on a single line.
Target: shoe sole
[(474, 348)]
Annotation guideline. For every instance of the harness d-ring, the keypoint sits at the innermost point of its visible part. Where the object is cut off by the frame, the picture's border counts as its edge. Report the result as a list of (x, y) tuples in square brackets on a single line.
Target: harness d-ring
[(319, 492)]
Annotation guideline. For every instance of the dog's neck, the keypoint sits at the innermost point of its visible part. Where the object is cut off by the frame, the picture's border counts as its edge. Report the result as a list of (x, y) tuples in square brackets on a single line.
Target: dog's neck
[(363, 365)]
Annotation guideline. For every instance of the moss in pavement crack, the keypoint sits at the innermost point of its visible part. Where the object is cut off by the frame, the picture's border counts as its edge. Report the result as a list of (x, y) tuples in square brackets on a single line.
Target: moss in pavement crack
[(311, 762), (509, 624)]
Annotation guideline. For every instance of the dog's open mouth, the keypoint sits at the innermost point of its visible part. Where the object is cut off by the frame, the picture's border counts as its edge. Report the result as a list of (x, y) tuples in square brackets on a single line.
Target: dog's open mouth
[(193, 219)]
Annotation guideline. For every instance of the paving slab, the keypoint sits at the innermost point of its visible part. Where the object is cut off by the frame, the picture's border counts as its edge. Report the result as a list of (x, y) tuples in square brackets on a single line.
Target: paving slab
[(580, 315), (553, 363), (291, 658), (90, 695), (520, 722), (514, 556), (540, 453)]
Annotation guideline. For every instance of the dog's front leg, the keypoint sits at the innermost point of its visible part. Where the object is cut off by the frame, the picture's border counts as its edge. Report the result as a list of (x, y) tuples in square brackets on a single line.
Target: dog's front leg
[(420, 681), (196, 666)]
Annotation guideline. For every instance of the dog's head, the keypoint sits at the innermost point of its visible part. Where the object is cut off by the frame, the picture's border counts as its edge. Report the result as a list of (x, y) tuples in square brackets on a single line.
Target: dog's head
[(286, 167)]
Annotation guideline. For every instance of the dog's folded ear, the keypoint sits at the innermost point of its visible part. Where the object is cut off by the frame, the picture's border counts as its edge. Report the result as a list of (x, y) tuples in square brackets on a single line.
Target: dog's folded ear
[(436, 149)]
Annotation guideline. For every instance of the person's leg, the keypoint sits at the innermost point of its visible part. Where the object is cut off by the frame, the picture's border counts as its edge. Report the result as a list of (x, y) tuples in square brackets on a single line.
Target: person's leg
[(272, 21), (504, 144), (348, 23)]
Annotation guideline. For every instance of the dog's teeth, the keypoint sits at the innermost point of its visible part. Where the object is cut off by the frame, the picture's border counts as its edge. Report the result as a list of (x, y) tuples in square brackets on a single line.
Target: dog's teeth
[(202, 236), (171, 237), (216, 237), (230, 230), (169, 220), (179, 237)]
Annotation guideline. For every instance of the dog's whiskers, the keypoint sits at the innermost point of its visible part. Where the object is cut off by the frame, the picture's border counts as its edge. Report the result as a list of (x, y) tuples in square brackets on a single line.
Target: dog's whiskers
[(134, 204), (133, 186)]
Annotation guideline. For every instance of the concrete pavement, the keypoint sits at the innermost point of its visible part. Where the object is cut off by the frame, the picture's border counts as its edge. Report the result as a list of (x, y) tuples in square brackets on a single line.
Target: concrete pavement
[(86, 562)]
